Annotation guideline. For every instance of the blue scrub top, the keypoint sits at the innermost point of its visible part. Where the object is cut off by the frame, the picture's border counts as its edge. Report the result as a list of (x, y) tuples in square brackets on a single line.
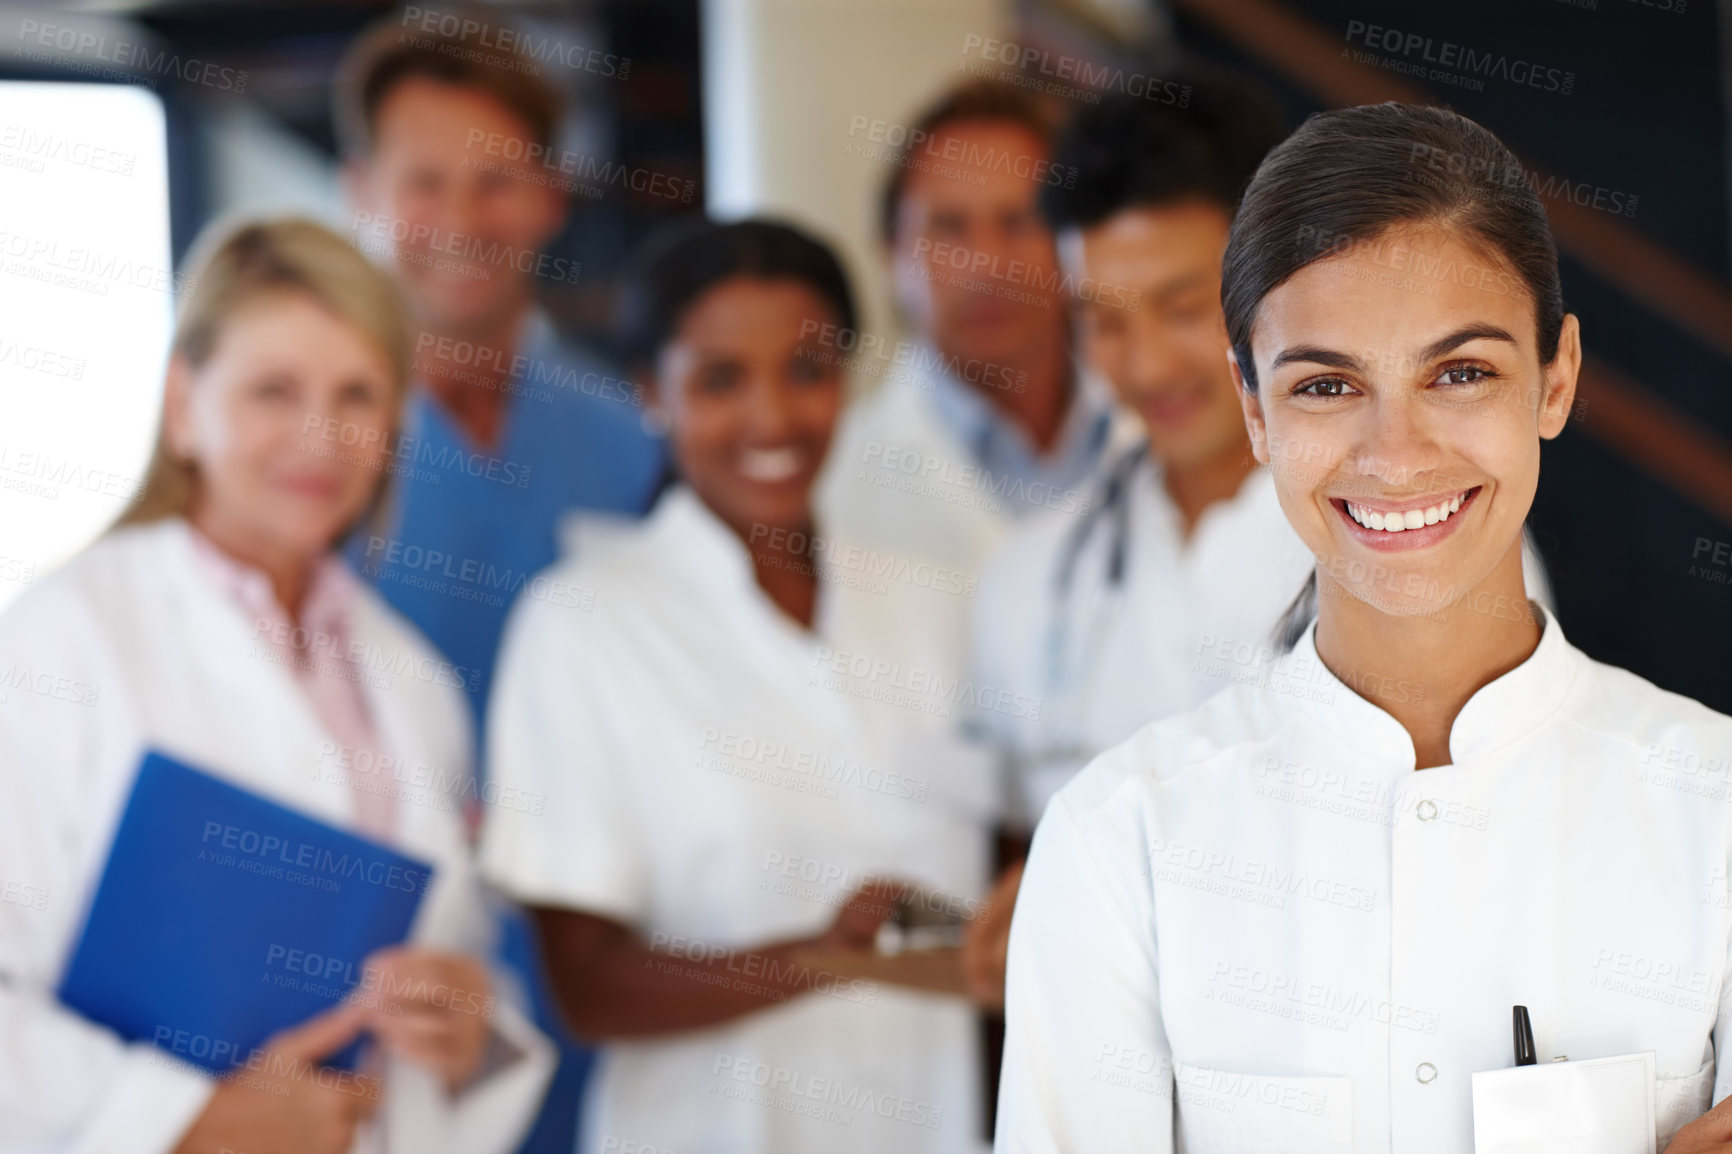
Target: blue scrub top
[(465, 529)]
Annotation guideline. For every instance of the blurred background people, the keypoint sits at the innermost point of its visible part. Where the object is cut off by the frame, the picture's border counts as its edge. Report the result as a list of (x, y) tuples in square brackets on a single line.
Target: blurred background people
[(215, 623), (453, 166), (449, 154), (1103, 618), (722, 796), (992, 420)]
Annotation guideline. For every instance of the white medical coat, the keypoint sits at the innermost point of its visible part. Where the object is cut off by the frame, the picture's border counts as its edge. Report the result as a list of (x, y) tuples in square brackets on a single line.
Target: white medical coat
[(716, 778), (131, 646), (1262, 904)]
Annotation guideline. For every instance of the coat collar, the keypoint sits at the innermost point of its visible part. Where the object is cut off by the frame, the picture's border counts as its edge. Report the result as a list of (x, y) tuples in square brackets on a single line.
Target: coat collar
[(1502, 712)]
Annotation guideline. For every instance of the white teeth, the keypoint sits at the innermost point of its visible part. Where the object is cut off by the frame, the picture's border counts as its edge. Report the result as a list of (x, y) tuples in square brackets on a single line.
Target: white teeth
[(1399, 522), (771, 465)]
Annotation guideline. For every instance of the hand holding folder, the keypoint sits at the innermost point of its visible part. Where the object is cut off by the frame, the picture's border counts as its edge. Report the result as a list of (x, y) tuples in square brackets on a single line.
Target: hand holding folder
[(223, 919)]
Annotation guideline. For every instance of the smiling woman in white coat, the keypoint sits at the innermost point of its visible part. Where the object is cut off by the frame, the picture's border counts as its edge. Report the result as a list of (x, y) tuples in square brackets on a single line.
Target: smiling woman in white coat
[(740, 731), (1300, 917), (215, 625)]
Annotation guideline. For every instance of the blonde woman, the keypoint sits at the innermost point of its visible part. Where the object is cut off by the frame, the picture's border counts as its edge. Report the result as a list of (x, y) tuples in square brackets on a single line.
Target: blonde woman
[(215, 624)]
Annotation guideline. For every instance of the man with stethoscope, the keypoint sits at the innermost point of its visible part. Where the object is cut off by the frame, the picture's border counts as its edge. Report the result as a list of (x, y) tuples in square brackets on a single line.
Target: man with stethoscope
[(1172, 585)]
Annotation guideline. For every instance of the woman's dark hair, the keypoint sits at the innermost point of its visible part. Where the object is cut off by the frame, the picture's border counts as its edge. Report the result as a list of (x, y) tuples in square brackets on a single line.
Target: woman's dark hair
[(681, 263), (1128, 152), (1349, 175)]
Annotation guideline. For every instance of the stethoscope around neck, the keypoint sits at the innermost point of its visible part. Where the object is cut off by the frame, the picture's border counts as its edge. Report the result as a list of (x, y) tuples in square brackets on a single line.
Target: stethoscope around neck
[(1068, 672)]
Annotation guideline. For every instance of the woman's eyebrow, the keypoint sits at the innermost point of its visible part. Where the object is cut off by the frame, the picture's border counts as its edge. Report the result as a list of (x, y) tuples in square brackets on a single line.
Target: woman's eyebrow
[(1477, 332), (1317, 355)]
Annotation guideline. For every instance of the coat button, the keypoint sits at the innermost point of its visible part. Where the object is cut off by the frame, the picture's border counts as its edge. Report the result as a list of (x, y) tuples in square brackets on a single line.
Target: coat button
[(1426, 1073), (1427, 810)]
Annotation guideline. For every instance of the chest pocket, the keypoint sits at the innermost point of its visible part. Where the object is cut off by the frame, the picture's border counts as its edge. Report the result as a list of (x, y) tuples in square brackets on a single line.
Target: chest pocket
[(1226, 1113), (1680, 1101)]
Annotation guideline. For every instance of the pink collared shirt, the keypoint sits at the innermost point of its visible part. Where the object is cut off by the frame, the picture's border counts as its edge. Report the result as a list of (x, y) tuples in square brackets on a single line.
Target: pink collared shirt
[(318, 658)]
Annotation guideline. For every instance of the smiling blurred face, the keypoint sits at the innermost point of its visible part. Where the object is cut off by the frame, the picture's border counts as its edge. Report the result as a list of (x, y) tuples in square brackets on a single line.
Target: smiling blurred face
[(1166, 357), (425, 182), (970, 243), (1403, 428), (751, 403), (280, 366)]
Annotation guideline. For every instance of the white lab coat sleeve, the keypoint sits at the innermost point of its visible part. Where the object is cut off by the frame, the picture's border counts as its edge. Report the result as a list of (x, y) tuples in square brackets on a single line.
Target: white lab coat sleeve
[(492, 1114), (1723, 1017), (66, 1084), (553, 742), (1087, 1068)]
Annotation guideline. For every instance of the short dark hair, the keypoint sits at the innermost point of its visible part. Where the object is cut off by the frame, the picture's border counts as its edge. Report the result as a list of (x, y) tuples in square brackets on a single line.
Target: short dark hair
[(1133, 153), (383, 57), (1351, 174), (688, 258), (992, 101)]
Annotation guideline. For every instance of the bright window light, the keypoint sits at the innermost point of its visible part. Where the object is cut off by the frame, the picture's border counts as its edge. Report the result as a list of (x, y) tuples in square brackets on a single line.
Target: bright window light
[(87, 294)]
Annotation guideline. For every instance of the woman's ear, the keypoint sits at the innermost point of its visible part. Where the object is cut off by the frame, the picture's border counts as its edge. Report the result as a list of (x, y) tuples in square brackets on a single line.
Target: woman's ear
[(1560, 379), (1252, 407)]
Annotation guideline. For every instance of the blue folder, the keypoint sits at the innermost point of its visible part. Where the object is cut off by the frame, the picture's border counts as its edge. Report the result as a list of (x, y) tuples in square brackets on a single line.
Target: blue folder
[(223, 917)]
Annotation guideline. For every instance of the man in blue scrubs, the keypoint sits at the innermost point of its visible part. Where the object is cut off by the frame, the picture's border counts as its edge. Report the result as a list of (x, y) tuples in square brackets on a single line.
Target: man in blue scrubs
[(453, 171)]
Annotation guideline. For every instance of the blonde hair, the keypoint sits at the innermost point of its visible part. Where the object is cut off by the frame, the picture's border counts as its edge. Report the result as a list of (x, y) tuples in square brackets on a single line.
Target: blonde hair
[(232, 267)]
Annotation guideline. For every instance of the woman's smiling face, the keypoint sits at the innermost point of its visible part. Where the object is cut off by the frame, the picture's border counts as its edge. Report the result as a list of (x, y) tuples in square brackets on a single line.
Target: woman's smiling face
[(1400, 408)]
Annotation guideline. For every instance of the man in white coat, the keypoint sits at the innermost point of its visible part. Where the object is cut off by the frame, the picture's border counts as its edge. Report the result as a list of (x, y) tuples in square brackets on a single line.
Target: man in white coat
[(982, 418)]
